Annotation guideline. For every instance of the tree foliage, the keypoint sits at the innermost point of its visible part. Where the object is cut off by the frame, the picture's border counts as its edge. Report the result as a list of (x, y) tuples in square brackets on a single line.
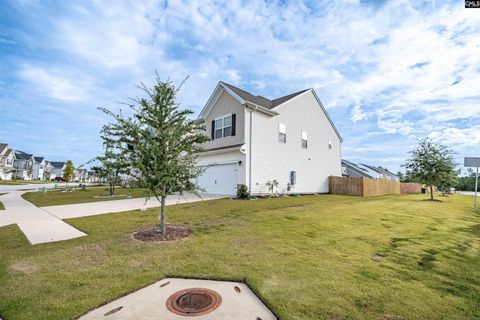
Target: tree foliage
[(69, 171), (431, 164), (113, 165), (159, 142)]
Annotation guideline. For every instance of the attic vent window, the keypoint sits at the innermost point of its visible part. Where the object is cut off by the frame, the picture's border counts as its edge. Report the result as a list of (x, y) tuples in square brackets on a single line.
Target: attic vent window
[(329, 144), (282, 133)]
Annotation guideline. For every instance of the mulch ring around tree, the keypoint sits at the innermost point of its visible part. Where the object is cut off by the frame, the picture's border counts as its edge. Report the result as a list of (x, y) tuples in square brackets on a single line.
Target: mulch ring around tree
[(173, 233)]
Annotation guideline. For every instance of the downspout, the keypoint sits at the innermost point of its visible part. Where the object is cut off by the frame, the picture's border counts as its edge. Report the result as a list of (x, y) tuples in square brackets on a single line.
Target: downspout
[(250, 154)]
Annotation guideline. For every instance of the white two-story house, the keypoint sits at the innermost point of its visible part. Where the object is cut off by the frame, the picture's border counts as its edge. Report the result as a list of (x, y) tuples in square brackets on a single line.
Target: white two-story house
[(57, 168), (23, 165), (38, 168), (254, 140), (7, 158)]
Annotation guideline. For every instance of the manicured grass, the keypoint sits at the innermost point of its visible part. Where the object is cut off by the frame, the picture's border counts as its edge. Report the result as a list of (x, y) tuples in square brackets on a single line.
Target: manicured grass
[(57, 197), (311, 257), (1, 204), (22, 182)]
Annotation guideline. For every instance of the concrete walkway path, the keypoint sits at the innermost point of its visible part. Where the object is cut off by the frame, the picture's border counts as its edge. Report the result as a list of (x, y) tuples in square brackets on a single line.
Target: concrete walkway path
[(41, 225), (94, 208), (38, 225)]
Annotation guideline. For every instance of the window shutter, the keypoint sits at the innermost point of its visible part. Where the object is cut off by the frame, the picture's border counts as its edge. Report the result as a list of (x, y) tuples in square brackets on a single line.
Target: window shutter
[(213, 129), (234, 123)]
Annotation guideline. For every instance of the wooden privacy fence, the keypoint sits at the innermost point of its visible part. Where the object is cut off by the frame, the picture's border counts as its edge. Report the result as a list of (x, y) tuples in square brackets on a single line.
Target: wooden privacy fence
[(410, 187), (365, 187)]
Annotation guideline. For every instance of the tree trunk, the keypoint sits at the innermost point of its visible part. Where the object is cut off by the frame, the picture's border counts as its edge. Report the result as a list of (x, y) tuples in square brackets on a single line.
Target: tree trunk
[(163, 226), (431, 193)]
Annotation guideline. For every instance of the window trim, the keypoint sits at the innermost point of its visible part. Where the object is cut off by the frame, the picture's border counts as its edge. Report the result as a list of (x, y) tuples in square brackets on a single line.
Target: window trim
[(223, 127), (282, 136), (302, 140)]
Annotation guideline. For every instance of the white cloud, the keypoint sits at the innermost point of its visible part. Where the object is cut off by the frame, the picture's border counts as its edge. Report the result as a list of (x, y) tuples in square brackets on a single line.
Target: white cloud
[(55, 83), (353, 55)]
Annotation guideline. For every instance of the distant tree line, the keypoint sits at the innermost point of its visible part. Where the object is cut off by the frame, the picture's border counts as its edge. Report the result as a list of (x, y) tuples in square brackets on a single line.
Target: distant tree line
[(467, 182)]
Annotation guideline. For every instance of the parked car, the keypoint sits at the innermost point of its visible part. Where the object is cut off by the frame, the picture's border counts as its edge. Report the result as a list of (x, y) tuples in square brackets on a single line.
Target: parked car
[(58, 179)]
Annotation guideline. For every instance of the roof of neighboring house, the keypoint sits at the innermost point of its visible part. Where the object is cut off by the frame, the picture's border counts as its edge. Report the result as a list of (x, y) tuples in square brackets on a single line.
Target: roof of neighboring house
[(3, 146), (57, 164), (356, 169), (384, 170), (38, 159), (375, 169), (22, 155), (259, 100), (9, 151)]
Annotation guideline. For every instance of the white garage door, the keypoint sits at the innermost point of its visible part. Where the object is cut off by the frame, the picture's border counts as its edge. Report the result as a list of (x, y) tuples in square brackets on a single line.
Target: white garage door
[(220, 179)]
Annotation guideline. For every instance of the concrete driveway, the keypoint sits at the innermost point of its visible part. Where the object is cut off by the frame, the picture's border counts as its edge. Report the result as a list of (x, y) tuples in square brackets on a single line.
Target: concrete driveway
[(41, 225)]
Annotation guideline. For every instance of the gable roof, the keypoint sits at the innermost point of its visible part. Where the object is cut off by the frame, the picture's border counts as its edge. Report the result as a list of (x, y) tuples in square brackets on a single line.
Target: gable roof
[(259, 100), (38, 159), (355, 169), (267, 105), (3, 146), (22, 155), (57, 164)]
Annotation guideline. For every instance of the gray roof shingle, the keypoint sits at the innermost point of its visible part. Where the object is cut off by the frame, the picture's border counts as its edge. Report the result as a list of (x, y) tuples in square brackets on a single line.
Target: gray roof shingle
[(259, 100)]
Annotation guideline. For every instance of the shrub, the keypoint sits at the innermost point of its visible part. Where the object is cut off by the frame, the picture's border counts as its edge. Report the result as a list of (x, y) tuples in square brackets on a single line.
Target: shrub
[(242, 192)]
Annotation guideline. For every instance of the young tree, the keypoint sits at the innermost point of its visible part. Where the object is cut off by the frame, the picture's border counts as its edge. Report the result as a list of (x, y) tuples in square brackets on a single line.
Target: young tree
[(160, 143), (69, 171), (431, 164), (113, 165)]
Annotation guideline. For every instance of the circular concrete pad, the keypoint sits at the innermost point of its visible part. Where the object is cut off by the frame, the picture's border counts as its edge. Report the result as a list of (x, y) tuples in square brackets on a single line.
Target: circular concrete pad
[(237, 302)]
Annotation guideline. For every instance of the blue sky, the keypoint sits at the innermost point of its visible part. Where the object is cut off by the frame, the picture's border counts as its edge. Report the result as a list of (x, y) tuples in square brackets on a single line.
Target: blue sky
[(389, 72)]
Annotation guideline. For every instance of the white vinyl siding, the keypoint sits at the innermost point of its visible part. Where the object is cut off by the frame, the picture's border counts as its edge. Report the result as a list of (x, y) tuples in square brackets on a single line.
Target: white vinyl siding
[(273, 160)]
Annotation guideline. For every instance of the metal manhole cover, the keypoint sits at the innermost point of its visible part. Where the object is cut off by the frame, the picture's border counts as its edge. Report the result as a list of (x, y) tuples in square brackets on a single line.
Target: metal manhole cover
[(194, 302)]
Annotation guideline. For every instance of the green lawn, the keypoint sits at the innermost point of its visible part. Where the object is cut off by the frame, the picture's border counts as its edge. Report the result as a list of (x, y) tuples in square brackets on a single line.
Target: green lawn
[(310, 257), (1, 204), (57, 197), (22, 182)]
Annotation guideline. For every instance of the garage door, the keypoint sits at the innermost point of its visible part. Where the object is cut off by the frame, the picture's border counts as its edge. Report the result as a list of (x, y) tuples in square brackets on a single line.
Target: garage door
[(220, 179)]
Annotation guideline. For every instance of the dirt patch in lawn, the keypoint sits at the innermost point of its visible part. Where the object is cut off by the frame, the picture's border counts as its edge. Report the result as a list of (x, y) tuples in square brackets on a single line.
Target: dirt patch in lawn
[(173, 233), (24, 267)]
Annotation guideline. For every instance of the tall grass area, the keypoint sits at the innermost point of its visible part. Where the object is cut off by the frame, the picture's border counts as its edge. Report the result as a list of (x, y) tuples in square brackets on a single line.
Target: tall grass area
[(309, 257)]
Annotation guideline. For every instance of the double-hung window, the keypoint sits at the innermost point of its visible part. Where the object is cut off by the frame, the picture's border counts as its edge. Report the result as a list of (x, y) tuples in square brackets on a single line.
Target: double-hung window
[(282, 133), (304, 140), (223, 127)]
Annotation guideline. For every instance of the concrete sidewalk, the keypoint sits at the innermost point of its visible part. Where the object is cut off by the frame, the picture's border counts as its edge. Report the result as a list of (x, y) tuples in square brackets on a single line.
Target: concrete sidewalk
[(38, 225), (94, 208), (41, 225)]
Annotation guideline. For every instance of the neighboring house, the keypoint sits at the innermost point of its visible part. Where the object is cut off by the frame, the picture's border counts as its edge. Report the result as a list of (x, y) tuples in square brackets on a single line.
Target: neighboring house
[(38, 169), (47, 171), (350, 169), (80, 175), (92, 177), (255, 140), (57, 169), (23, 165), (372, 171), (361, 170), (388, 175), (7, 158)]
